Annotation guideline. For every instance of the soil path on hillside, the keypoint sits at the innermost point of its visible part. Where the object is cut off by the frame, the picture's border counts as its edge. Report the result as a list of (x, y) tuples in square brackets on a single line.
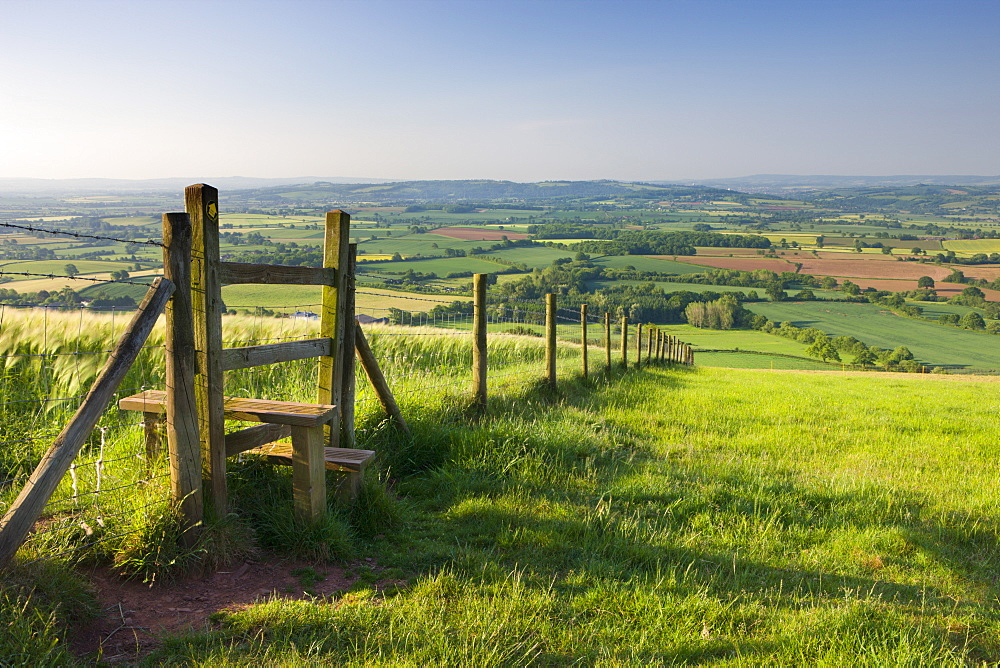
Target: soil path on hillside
[(135, 615)]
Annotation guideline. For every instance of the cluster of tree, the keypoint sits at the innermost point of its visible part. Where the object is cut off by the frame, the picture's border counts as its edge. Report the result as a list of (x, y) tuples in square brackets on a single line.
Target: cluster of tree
[(289, 254), (65, 297), (11, 251), (827, 348), (723, 313), (640, 242)]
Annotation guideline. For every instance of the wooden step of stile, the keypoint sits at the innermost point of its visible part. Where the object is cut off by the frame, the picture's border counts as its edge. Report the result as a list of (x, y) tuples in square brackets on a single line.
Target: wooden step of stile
[(337, 459)]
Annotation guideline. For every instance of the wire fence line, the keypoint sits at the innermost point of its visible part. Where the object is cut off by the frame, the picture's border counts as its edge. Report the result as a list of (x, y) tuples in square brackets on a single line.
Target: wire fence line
[(49, 358), (80, 235), (50, 355)]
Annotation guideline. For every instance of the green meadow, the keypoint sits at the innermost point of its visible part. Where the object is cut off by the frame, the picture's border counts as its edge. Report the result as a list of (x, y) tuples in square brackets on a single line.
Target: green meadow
[(929, 342)]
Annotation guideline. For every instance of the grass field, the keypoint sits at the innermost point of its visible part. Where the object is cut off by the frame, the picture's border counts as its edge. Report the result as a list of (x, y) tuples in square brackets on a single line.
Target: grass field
[(929, 342), (667, 517), (973, 246), (647, 263), (439, 266)]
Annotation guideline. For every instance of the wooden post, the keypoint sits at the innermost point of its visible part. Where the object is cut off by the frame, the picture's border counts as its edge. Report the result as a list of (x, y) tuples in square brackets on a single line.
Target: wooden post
[(183, 436), (333, 318), (650, 340), (550, 339), (202, 205), (607, 342), (377, 380), (659, 345), (624, 341), (638, 345), (583, 337), (479, 358), (347, 392), (28, 505)]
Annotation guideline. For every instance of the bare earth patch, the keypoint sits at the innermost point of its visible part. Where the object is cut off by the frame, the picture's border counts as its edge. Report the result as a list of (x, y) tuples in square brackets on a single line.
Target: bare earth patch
[(134, 616)]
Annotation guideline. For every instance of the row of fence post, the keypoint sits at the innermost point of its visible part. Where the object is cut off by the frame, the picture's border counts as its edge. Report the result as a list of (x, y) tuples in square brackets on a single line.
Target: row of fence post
[(660, 347)]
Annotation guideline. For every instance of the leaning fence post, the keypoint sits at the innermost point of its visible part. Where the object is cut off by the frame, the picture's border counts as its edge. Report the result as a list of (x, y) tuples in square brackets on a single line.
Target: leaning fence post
[(28, 505), (649, 345), (583, 337), (550, 339), (183, 436), (479, 353)]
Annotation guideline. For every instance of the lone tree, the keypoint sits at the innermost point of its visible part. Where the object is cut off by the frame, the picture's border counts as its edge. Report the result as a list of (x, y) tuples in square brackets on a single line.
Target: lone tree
[(925, 282), (71, 270)]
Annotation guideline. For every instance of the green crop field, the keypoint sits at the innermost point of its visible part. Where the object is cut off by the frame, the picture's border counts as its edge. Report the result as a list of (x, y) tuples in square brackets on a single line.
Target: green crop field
[(973, 246), (929, 342), (423, 244), (646, 263), (440, 266), (535, 256)]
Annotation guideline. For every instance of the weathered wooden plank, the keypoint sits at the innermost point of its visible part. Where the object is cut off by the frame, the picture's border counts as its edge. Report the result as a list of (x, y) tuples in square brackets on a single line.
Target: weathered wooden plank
[(337, 459), (234, 273), (238, 408), (272, 353), (202, 205), (183, 437), (23, 513), (254, 437)]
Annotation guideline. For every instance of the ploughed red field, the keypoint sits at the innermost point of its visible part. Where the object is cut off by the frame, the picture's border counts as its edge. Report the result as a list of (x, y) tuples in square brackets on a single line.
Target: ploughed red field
[(477, 234)]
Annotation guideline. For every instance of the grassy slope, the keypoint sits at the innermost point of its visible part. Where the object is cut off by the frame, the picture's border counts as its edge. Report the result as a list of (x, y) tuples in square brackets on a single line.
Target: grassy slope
[(674, 516)]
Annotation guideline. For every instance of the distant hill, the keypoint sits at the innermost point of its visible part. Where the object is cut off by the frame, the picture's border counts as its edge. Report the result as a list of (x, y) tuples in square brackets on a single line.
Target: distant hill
[(790, 184), (409, 192), (174, 184), (954, 200)]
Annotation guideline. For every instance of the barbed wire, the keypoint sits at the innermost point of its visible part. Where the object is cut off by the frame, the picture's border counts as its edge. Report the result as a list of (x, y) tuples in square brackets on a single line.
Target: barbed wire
[(31, 228), (74, 278)]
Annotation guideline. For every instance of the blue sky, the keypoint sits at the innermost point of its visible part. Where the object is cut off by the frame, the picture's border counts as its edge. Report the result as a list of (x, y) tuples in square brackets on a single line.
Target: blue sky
[(422, 89)]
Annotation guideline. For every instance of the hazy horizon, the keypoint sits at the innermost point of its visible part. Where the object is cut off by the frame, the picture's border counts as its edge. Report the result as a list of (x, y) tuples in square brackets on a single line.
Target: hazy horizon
[(671, 91)]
